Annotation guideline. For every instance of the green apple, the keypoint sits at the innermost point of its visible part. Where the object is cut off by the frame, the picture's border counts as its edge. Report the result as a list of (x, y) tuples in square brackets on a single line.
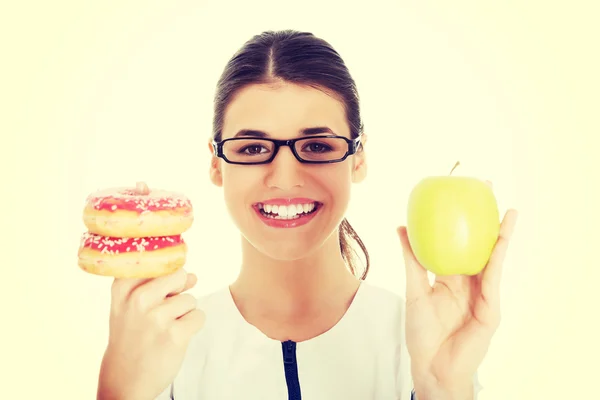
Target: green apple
[(452, 224)]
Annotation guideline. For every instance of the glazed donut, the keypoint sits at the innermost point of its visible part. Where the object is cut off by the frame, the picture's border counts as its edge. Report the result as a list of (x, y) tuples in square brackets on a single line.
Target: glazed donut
[(137, 212), (148, 257), (134, 232)]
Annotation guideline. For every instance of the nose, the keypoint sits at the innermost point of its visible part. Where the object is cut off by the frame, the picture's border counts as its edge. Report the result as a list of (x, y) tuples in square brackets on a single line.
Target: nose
[(284, 171)]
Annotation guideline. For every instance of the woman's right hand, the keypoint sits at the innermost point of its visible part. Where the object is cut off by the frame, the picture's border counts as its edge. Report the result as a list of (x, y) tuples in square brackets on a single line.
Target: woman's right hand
[(151, 324)]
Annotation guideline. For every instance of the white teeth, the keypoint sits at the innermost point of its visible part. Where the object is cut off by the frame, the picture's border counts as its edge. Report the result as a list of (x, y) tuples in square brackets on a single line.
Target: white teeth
[(283, 211), (286, 212)]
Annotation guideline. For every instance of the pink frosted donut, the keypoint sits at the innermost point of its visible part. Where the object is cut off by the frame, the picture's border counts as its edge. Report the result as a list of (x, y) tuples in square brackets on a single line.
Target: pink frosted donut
[(137, 212), (148, 257)]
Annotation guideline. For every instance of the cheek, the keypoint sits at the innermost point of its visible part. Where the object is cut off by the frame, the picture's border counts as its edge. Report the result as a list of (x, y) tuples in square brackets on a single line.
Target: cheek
[(237, 185), (337, 182)]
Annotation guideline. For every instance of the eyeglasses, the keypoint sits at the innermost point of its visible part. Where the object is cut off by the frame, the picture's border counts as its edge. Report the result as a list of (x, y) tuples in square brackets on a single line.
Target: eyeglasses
[(310, 149)]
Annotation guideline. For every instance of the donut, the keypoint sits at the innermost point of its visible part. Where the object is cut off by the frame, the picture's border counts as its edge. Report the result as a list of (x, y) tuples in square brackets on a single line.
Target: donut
[(134, 232), (148, 257), (137, 212)]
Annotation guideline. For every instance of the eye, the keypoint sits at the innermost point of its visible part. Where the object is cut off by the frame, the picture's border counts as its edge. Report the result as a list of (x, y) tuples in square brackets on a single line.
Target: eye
[(317, 147), (252, 149)]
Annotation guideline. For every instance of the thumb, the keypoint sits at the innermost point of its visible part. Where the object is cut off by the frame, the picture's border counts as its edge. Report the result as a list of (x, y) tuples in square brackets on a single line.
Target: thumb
[(417, 282)]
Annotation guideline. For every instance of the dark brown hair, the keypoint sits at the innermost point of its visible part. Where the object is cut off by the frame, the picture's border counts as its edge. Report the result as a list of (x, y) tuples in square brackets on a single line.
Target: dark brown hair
[(300, 58)]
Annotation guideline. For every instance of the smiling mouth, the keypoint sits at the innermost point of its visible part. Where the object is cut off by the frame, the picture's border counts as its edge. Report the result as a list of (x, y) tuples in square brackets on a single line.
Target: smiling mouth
[(287, 212)]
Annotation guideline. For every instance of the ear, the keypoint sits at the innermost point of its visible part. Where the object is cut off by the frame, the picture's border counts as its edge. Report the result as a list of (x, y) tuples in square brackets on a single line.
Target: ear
[(359, 166), (214, 170)]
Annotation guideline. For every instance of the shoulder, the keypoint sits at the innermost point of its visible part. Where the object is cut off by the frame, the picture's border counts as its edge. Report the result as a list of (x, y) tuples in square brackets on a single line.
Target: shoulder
[(380, 297), (380, 308)]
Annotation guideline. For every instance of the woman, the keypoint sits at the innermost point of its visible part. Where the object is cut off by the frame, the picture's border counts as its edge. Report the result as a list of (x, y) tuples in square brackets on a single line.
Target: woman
[(299, 322)]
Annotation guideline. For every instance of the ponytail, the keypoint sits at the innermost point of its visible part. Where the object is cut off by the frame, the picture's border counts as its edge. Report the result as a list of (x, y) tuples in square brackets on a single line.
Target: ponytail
[(349, 252)]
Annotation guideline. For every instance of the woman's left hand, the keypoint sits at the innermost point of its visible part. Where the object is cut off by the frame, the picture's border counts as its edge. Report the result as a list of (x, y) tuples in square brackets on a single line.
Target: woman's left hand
[(449, 325)]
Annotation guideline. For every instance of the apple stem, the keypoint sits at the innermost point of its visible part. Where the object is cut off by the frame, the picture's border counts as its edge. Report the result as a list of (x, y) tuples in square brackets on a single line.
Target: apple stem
[(455, 165)]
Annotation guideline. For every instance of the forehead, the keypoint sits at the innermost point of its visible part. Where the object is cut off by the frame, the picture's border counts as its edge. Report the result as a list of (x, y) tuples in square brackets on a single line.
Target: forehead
[(283, 110)]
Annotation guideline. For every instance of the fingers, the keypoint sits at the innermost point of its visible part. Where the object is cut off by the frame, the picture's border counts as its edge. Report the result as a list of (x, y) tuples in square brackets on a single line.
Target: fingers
[(175, 307), (156, 290), (191, 322), (122, 287), (456, 283), (417, 282), (192, 279), (509, 222), (189, 283), (181, 318), (492, 274)]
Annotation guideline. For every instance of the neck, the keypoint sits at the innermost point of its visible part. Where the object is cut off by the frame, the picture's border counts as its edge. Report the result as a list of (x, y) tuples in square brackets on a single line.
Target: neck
[(286, 289)]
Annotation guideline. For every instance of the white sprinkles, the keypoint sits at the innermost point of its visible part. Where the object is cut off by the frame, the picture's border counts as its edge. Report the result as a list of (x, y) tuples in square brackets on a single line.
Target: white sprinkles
[(156, 199), (105, 244)]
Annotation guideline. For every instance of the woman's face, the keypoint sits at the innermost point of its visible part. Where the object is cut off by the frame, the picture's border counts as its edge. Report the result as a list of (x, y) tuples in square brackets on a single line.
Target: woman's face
[(318, 193)]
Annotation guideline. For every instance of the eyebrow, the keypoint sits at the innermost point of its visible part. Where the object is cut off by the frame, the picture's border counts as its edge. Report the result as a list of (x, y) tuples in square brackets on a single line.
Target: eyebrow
[(306, 132)]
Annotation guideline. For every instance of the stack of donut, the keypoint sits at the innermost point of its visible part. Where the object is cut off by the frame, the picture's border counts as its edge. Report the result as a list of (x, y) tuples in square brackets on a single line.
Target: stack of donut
[(134, 232)]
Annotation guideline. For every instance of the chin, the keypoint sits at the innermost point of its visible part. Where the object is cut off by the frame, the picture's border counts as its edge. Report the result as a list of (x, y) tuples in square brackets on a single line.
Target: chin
[(292, 246), (287, 248)]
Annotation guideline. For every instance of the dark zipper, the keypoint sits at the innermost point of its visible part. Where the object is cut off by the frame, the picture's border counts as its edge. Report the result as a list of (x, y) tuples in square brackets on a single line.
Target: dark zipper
[(290, 366)]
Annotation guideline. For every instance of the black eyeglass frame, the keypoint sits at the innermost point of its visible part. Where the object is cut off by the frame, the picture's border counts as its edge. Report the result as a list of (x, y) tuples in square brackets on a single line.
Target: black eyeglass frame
[(353, 146)]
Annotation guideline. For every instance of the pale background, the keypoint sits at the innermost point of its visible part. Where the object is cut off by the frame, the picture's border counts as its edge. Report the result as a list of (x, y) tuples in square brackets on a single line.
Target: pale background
[(101, 94)]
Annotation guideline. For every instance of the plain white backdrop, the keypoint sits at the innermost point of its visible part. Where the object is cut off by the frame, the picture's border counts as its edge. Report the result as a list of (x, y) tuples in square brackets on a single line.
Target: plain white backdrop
[(107, 94)]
